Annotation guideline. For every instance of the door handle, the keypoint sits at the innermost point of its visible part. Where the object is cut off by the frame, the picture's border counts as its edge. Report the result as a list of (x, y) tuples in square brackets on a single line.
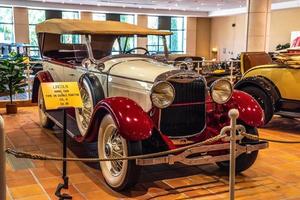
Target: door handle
[(71, 74), (50, 68)]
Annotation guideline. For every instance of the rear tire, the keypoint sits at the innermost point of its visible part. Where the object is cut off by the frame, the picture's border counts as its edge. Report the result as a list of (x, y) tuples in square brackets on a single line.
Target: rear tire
[(244, 161), (119, 175), (45, 121), (263, 99)]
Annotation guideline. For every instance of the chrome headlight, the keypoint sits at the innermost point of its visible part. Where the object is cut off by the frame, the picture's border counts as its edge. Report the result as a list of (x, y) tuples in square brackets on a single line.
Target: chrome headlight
[(221, 91), (162, 94)]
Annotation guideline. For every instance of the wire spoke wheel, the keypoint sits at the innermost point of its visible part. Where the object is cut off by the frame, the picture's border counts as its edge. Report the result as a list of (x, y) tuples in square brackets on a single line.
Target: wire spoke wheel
[(118, 174), (84, 114), (44, 120)]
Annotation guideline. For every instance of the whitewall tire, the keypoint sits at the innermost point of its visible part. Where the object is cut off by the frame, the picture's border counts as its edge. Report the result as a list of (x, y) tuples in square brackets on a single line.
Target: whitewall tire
[(122, 174), (45, 121), (84, 114)]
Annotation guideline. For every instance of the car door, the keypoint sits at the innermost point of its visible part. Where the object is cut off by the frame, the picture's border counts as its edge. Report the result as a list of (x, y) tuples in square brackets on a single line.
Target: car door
[(55, 69)]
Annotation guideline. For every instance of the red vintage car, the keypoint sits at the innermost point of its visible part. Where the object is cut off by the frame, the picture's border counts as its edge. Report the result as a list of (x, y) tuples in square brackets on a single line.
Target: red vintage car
[(135, 104)]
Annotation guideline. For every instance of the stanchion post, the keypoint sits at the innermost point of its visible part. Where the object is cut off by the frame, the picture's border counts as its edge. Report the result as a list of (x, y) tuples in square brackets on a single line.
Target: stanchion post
[(2, 161), (233, 114), (65, 184)]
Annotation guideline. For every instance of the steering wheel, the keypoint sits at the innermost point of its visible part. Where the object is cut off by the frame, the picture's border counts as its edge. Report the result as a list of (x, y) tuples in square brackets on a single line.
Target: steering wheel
[(136, 48)]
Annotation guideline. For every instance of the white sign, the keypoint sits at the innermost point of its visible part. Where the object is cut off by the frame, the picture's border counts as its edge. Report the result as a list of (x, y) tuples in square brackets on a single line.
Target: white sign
[(295, 39)]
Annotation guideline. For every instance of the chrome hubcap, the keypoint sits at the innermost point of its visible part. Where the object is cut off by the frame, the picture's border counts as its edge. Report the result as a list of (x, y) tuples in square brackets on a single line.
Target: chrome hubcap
[(114, 149)]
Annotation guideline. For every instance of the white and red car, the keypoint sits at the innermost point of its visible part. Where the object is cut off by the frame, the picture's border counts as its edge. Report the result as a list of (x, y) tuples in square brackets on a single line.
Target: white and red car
[(135, 104)]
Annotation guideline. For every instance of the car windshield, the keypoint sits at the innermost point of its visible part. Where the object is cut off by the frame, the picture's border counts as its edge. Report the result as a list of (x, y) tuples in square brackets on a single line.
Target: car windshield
[(105, 45)]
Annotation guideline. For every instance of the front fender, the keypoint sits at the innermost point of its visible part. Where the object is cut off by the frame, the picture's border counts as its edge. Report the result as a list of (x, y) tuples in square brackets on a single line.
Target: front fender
[(40, 77), (132, 121), (250, 111)]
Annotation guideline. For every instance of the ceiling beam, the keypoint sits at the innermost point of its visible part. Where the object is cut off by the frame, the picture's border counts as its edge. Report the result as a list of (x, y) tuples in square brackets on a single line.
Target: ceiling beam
[(104, 9)]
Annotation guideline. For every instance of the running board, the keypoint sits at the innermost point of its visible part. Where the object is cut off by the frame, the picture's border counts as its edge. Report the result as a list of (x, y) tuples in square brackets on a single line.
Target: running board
[(57, 117), (288, 114)]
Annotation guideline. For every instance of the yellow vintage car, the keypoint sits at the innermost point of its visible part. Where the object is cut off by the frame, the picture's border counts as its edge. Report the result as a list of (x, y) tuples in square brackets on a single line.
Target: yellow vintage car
[(275, 85)]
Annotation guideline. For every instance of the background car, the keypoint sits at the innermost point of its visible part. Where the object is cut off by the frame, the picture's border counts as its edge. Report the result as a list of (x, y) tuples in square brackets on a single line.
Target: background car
[(275, 85), (134, 104)]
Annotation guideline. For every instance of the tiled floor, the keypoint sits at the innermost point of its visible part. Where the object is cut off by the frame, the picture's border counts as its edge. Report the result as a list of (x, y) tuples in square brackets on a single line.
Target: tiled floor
[(275, 175)]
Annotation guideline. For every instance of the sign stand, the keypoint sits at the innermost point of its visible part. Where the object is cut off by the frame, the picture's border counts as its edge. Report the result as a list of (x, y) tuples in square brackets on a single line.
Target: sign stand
[(65, 178)]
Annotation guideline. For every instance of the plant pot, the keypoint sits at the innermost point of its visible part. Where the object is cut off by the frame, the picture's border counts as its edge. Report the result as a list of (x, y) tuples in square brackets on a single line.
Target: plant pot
[(11, 108)]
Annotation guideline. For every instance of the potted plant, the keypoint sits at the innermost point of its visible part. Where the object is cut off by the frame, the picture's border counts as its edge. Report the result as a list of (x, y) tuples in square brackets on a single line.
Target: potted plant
[(12, 79)]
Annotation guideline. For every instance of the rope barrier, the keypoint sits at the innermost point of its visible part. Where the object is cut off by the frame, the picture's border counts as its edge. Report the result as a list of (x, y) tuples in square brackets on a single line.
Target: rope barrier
[(27, 155), (254, 137)]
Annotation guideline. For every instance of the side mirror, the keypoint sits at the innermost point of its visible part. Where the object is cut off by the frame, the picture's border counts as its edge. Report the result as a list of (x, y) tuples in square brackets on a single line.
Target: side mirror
[(86, 63)]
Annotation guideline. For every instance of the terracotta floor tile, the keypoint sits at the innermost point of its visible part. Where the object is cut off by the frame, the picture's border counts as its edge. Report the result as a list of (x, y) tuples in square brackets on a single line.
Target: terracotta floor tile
[(268, 178), (25, 191), (86, 187)]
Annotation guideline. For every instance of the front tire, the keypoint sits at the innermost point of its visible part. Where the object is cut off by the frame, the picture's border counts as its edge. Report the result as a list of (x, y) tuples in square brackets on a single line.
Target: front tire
[(263, 99), (83, 115), (122, 174), (245, 160), (45, 121)]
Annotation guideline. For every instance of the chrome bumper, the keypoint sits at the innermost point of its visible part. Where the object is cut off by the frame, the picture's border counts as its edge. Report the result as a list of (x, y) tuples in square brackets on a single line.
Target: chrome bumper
[(204, 158)]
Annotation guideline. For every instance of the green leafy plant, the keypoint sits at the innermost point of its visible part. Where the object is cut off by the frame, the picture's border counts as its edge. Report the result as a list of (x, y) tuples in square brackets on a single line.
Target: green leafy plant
[(282, 46), (12, 79)]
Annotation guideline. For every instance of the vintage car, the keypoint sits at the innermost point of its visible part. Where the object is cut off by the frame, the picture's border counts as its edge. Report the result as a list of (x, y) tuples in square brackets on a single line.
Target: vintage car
[(135, 104), (275, 85)]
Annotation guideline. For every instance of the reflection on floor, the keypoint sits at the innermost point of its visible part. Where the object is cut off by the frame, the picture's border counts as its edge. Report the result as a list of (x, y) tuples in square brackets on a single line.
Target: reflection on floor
[(276, 174)]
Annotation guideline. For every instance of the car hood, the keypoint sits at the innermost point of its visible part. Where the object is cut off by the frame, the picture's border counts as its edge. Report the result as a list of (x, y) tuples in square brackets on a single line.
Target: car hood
[(142, 69)]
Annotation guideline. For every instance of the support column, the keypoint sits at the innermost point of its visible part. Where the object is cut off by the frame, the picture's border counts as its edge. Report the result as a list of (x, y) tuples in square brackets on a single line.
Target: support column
[(142, 20), (86, 15), (191, 36), (258, 25), (21, 25)]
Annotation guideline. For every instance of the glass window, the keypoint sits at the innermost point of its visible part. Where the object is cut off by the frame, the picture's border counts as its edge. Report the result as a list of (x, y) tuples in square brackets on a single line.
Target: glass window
[(34, 17), (6, 25), (99, 16), (70, 38), (131, 41), (175, 42)]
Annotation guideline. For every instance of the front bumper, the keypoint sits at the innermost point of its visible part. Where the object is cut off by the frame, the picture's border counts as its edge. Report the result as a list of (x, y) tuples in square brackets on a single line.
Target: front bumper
[(187, 158)]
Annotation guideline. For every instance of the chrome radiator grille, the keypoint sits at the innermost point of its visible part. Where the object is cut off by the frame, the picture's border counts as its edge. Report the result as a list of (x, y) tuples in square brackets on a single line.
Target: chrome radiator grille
[(186, 116)]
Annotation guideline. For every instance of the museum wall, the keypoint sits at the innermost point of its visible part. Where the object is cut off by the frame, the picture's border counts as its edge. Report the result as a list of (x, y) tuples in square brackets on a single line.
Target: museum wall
[(228, 35), (203, 37), (282, 23)]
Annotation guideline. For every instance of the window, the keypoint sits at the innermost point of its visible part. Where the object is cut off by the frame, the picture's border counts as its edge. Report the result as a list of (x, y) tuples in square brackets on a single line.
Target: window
[(70, 38), (34, 17), (99, 16), (6, 25), (176, 42), (131, 41)]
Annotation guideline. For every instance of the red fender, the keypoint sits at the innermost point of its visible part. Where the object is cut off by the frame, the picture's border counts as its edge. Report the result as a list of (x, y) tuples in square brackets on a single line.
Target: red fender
[(250, 111), (40, 77), (132, 121)]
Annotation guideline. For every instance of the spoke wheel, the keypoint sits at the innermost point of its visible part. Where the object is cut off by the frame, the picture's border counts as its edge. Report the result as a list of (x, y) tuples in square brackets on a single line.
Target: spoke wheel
[(45, 121), (84, 114), (119, 174)]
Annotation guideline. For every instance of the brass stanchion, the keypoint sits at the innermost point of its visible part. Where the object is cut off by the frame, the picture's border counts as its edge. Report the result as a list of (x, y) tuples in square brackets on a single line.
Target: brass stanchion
[(2, 161), (233, 114)]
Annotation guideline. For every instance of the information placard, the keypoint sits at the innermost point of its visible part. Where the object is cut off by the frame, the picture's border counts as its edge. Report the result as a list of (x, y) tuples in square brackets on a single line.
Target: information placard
[(61, 95)]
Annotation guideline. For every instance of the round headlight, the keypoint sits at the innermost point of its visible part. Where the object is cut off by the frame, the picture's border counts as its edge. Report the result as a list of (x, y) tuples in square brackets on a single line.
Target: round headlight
[(221, 91), (162, 94)]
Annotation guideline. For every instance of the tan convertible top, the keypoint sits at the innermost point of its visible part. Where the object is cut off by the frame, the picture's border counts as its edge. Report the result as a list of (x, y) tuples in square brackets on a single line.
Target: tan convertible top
[(75, 26)]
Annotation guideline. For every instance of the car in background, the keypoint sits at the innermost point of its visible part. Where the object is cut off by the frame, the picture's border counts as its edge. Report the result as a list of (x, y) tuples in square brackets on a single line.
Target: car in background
[(275, 85), (134, 104)]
